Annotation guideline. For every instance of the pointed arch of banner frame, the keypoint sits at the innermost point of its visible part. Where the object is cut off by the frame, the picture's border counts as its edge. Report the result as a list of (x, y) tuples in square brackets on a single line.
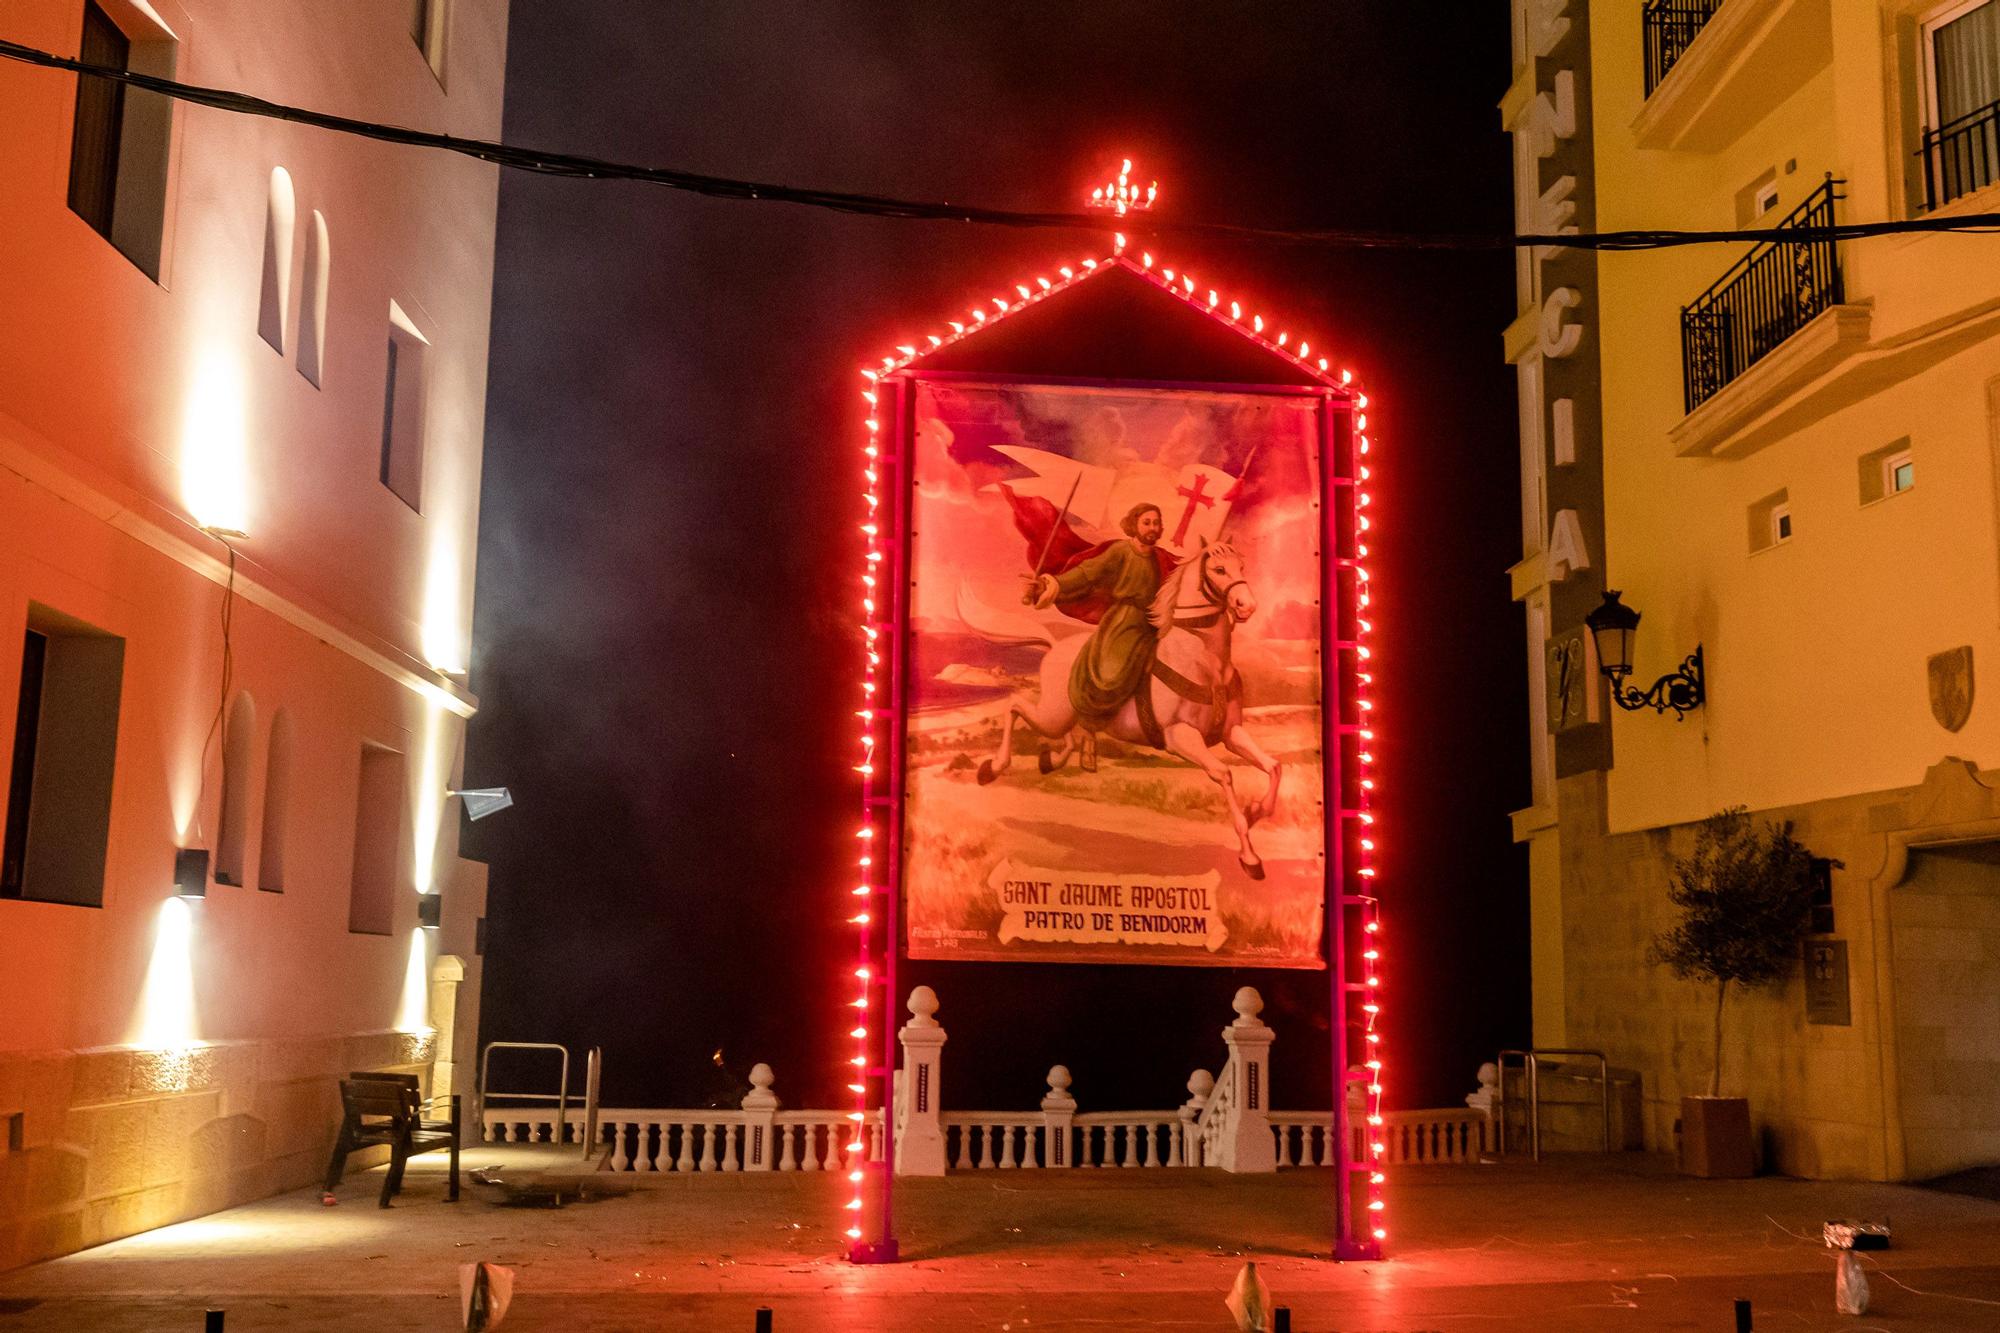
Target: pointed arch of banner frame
[(1353, 933)]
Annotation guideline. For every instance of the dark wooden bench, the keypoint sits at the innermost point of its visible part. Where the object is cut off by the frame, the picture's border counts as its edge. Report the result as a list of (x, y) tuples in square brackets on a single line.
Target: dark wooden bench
[(388, 1109)]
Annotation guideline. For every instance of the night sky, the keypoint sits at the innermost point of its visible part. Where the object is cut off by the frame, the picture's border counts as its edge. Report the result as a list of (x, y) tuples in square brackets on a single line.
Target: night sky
[(665, 648)]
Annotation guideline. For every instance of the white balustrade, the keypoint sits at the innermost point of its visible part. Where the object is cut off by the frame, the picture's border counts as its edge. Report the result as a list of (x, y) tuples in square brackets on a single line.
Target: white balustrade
[(1226, 1122)]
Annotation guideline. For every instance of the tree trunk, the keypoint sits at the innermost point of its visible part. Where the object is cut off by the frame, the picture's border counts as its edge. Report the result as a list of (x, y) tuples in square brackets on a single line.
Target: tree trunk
[(1715, 1070)]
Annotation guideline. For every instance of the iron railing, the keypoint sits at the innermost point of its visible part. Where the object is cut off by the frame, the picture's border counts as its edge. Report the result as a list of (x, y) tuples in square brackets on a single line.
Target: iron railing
[(1671, 26), (1961, 156), (1770, 294)]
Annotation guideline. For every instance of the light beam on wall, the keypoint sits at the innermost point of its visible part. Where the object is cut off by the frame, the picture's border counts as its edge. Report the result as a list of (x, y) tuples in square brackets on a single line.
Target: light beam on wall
[(166, 1005), (215, 447), (443, 629), (414, 1013), (433, 776)]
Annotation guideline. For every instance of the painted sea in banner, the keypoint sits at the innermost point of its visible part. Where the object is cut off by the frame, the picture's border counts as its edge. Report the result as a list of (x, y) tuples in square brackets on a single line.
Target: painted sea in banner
[(1114, 722)]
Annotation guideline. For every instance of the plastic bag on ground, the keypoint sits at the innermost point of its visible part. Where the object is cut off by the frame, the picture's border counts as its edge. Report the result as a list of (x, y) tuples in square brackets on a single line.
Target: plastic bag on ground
[(484, 1292), (1850, 1285), (1250, 1301)]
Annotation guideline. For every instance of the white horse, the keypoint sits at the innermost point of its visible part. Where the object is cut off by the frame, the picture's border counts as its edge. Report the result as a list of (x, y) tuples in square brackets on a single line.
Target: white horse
[(1195, 693)]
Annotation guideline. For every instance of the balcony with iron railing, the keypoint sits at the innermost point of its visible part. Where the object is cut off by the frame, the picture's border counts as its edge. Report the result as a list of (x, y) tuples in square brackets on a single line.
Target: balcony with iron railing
[(1765, 298), (1961, 156), (1671, 27)]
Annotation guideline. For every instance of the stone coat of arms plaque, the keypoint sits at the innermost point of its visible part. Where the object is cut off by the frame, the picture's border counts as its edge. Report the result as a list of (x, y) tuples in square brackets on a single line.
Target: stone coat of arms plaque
[(1951, 687)]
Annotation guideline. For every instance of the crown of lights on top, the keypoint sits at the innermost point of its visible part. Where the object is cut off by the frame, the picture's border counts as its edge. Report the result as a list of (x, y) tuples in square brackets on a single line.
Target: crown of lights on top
[(1121, 198)]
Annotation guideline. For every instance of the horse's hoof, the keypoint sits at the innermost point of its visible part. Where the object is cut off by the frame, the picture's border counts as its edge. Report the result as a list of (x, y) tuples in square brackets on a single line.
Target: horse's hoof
[(986, 773), (1254, 869), (1046, 760)]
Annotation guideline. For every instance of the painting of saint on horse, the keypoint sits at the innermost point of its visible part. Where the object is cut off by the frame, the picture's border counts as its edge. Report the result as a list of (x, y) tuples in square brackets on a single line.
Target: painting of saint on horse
[(1113, 731)]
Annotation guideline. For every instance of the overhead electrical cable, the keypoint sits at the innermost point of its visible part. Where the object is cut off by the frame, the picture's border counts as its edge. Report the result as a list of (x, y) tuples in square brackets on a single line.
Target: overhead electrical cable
[(885, 206)]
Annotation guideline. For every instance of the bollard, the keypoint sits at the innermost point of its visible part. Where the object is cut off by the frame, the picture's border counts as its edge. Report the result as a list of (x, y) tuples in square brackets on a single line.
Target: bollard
[(1742, 1316), (1281, 1319), (213, 1323), (763, 1319)]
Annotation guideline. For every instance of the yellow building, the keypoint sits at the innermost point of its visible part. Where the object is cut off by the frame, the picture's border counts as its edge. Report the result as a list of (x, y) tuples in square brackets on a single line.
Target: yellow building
[(1789, 458)]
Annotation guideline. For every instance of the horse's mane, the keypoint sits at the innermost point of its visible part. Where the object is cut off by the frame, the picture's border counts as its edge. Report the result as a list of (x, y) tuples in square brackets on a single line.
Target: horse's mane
[(1169, 596)]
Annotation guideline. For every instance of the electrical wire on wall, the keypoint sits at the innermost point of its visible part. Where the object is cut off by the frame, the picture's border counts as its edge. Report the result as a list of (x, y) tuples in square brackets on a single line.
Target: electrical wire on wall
[(887, 206), (219, 725)]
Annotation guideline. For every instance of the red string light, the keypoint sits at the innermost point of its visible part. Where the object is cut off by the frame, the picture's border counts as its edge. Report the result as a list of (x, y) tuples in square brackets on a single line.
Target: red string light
[(1183, 287)]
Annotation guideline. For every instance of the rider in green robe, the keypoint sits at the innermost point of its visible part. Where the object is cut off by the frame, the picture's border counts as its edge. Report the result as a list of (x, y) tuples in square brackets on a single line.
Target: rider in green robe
[(1113, 665)]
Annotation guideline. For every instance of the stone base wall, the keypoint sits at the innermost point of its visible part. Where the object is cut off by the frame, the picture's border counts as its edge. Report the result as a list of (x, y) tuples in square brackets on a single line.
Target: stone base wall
[(1908, 1087), (119, 1140), (1813, 1089)]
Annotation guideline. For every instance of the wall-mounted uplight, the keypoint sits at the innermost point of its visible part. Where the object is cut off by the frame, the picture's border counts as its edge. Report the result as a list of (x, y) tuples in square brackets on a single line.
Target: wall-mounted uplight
[(191, 872), (1612, 626), (483, 801), (430, 910)]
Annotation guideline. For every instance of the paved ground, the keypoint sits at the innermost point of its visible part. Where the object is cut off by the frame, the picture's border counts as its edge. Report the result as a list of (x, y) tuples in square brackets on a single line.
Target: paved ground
[(1574, 1244)]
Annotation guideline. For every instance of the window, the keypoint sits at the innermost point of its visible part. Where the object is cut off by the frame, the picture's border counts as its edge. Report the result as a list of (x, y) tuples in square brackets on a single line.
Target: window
[(312, 300), (121, 136), (1963, 44), (239, 736), (1887, 471), (378, 839), (277, 806), (403, 410), (1757, 198), (1770, 522), (1962, 91), (100, 117), (275, 307), (58, 820)]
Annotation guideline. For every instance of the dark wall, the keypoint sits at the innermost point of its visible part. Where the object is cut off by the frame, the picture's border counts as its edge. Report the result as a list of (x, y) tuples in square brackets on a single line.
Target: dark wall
[(664, 648)]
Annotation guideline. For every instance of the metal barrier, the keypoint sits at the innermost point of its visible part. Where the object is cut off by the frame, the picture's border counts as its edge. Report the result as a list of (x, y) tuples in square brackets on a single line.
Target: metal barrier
[(1531, 1066), (560, 1096)]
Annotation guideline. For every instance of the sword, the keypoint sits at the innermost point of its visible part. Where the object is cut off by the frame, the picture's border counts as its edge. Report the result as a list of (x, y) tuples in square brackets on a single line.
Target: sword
[(1028, 597)]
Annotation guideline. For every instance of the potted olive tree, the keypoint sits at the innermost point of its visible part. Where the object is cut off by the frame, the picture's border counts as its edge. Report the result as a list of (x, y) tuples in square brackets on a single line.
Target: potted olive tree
[(1745, 902)]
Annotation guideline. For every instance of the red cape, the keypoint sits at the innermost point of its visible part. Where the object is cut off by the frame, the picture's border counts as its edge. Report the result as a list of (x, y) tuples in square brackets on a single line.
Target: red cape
[(1043, 525)]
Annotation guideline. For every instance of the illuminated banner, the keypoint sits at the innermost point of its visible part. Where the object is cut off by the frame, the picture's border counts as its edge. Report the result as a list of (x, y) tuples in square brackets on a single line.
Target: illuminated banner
[(1112, 726)]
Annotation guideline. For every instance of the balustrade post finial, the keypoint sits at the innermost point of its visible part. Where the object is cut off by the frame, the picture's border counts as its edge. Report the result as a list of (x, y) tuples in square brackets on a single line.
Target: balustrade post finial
[(1199, 1085), (920, 1131), (923, 1006), (1058, 1114), (760, 1121), (1244, 1142)]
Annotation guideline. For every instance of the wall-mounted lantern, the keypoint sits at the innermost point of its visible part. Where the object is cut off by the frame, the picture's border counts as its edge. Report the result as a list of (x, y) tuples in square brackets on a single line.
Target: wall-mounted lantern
[(1612, 626), (483, 801)]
